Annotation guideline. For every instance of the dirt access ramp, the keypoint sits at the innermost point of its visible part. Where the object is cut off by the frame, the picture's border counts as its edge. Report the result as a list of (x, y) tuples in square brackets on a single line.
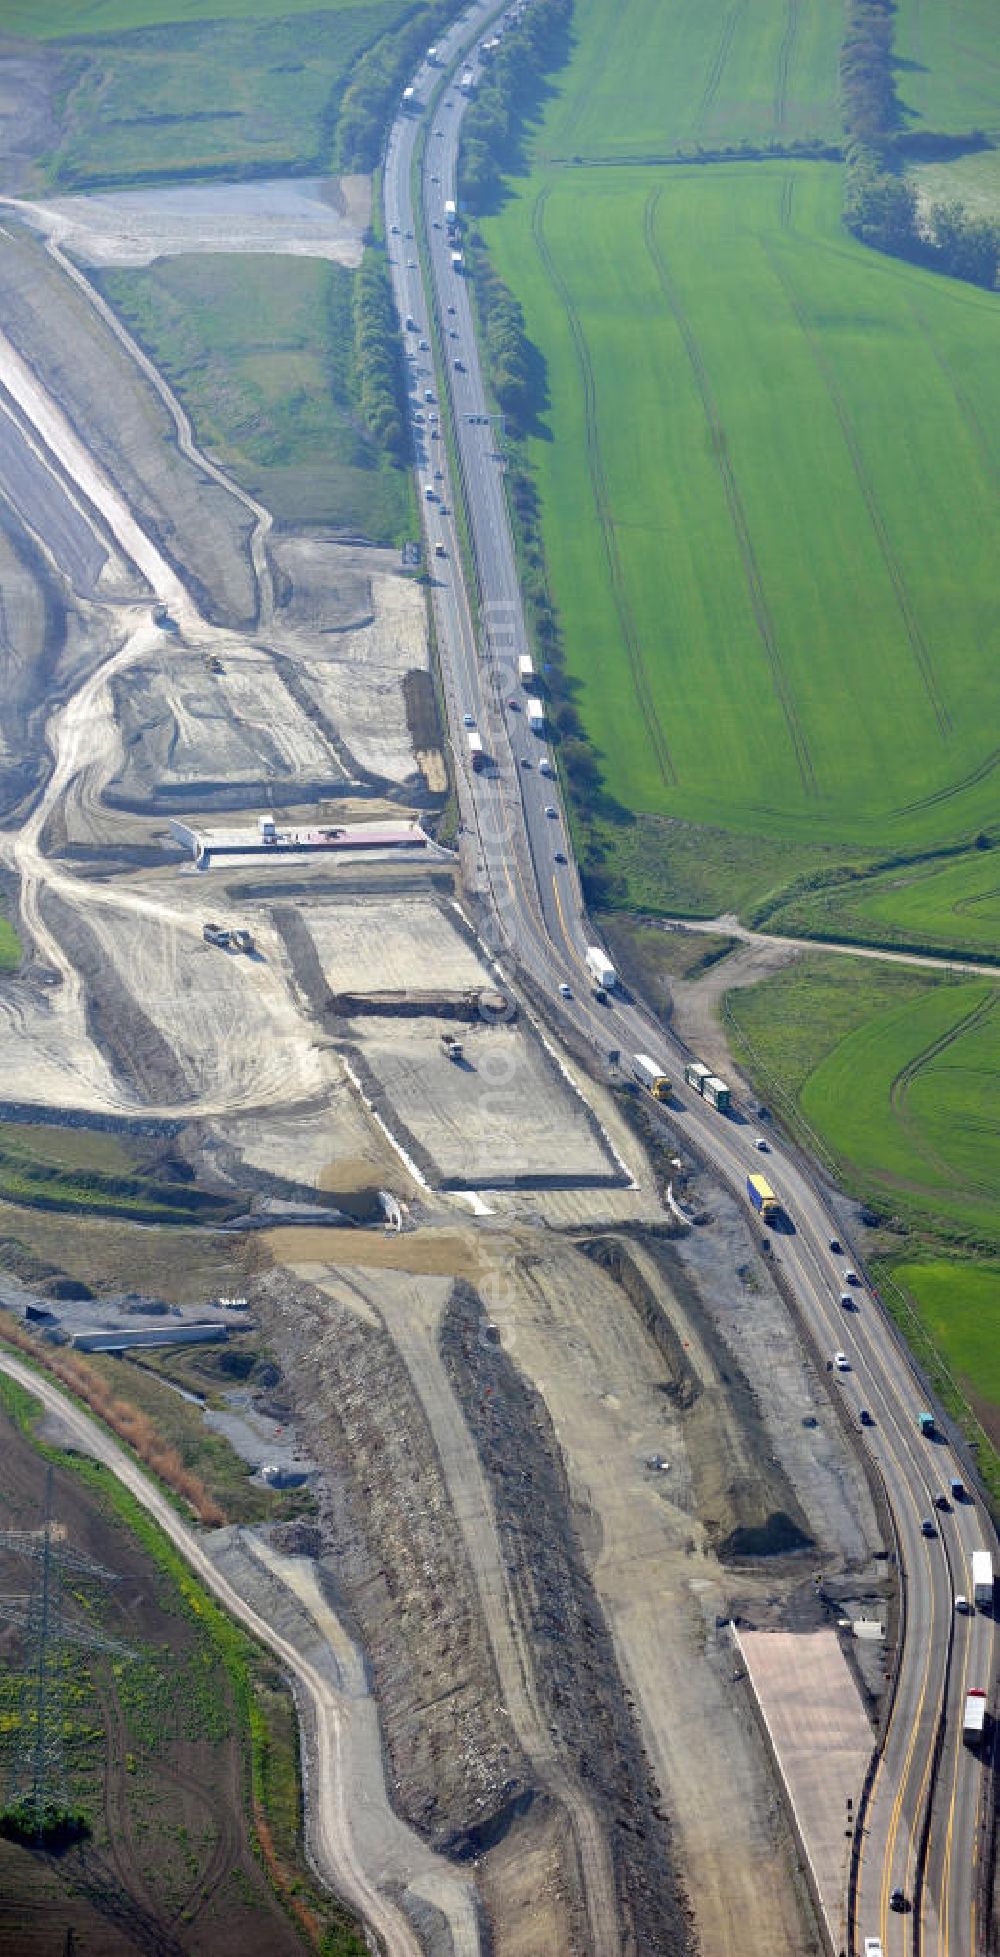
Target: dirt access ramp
[(821, 1743)]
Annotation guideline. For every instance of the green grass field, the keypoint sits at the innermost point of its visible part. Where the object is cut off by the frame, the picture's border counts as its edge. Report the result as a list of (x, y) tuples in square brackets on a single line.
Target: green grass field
[(241, 96), (11, 950), (959, 1304), (72, 19), (951, 902), (948, 76), (259, 350), (646, 79), (893, 1077), (771, 504)]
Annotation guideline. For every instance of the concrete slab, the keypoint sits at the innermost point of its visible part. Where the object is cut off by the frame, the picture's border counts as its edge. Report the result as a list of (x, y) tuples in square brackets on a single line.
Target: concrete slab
[(822, 1743)]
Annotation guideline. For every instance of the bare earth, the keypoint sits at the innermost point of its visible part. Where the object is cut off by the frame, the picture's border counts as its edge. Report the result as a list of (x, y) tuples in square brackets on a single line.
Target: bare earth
[(312, 217), (559, 1436)]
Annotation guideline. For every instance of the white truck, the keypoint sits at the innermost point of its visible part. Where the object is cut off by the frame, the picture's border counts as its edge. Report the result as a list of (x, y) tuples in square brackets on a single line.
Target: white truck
[(974, 1720), (651, 1076), (982, 1579), (716, 1093), (525, 668), (536, 716), (450, 212), (457, 261), (600, 967)]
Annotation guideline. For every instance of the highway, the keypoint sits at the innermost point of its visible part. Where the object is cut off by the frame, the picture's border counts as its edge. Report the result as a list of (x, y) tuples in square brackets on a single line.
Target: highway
[(921, 1827)]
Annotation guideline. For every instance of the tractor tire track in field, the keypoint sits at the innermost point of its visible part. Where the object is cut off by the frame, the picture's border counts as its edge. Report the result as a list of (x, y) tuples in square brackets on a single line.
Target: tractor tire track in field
[(582, 99), (966, 406), (971, 780), (125, 1855), (602, 501), (786, 203), (717, 65), (918, 644), (785, 52), (734, 502), (899, 1089)]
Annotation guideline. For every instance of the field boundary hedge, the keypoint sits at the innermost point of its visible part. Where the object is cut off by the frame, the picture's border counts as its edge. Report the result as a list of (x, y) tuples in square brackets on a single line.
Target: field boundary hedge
[(881, 206)]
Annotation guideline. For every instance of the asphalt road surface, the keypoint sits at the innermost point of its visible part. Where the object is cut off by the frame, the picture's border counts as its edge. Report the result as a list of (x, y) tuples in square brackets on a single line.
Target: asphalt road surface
[(921, 1830)]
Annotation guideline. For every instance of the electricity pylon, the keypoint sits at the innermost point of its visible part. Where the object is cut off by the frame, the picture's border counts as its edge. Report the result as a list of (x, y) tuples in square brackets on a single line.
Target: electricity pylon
[(38, 1775)]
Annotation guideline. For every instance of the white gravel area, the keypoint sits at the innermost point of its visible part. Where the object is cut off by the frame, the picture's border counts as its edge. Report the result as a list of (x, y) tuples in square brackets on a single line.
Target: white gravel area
[(393, 944), (313, 217), (504, 1112)]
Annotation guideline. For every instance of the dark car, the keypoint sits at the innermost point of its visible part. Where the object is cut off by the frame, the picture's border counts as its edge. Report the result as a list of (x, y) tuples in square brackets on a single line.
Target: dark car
[(927, 1527), (866, 1419), (941, 1502), (835, 1245), (897, 1901), (559, 857)]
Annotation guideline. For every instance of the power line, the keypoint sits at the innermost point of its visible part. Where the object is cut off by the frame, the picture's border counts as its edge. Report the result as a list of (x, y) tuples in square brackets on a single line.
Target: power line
[(37, 1782)]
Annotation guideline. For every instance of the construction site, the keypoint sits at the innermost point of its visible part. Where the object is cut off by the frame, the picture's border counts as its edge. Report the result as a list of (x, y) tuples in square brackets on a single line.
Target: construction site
[(560, 1425)]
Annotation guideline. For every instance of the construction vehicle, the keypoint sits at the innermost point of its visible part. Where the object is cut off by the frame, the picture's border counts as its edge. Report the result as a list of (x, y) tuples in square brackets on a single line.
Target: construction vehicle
[(216, 934), (242, 941), (651, 1076), (763, 1199), (453, 1047)]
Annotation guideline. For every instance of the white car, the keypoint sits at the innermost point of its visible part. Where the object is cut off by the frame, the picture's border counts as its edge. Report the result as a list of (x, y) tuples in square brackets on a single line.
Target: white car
[(873, 1947), (841, 1362), (962, 1604), (760, 1143), (545, 767), (565, 991), (551, 812)]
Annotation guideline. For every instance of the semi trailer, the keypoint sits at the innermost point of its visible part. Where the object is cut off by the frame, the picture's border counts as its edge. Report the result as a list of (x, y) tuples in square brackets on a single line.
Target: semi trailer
[(651, 1076), (974, 1719), (763, 1199), (982, 1579), (600, 967)]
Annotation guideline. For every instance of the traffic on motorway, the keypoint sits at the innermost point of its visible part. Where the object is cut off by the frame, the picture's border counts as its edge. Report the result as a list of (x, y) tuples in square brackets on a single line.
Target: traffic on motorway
[(915, 1866)]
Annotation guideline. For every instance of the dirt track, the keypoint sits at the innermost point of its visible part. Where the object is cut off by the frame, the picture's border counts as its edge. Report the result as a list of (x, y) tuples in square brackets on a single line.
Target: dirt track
[(332, 1841)]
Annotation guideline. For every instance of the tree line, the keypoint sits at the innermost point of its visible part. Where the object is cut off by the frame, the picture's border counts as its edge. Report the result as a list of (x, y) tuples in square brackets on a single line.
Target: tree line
[(378, 79), (881, 205), (509, 91), (377, 370), (492, 136)]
